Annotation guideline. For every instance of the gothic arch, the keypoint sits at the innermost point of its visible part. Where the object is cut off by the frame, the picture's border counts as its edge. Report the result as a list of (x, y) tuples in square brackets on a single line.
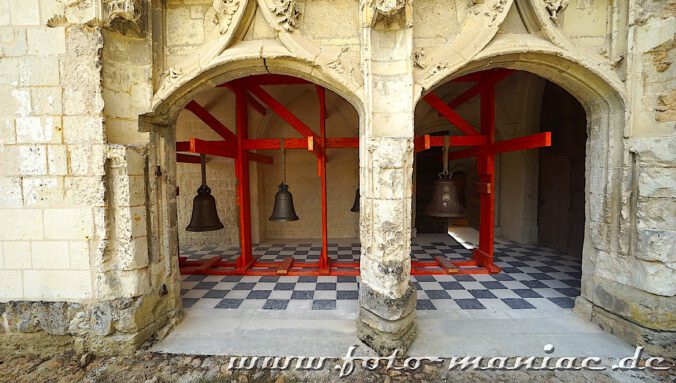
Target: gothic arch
[(603, 100)]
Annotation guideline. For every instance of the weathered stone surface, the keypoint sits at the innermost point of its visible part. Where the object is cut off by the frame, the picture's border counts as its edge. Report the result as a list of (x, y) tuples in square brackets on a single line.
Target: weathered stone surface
[(386, 324), (655, 342), (74, 168), (386, 307)]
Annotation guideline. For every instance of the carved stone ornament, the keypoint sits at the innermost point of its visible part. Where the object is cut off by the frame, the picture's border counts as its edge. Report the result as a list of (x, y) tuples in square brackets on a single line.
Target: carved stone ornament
[(336, 64), (554, 7), (225, 10), (375, 10), (124, 16), (287, 13), (419, 60)]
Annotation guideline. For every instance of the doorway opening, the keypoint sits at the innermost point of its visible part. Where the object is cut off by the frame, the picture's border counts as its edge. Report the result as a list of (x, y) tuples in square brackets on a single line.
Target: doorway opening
[(501, 196)]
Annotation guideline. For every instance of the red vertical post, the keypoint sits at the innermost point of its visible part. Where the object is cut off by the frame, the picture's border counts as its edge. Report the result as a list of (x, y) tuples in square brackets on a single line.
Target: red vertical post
[(486, 170), (242, 173), (324, 266)]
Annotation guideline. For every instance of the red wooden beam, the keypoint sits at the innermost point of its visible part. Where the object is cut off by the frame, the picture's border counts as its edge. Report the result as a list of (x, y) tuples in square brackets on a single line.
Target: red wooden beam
[(534, 141), (250, 99), (324, 267), (490, 79), (281, 111), (438, 141), (187, 146), (448, 113), (275, 143), (213, 148), (183, 146), (187, 158), (427, 142), (486, 171), (421, 143), (211, 121), (314, 146), (298, 143), (245, 260)]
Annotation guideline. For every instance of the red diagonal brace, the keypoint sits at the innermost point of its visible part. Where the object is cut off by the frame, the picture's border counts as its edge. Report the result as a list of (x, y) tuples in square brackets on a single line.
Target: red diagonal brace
[(448, 113), (249, 98), (211, 121), (281, 111), (490, 80)]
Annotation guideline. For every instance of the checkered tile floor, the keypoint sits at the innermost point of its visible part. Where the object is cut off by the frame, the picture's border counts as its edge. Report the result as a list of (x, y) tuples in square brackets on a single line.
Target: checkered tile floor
[(532, 278)]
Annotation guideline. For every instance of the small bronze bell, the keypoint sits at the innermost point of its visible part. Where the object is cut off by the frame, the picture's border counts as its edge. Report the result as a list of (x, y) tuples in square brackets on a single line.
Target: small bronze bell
[(283, 210), (204, 213), (445, 202), (355, 205)]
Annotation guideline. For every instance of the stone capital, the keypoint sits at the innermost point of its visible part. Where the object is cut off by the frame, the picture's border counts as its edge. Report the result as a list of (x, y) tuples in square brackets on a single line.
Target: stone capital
[(388, 11)]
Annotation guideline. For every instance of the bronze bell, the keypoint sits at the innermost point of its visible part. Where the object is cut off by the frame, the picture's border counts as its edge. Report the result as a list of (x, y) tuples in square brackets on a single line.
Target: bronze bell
[(204, 213), (445, 201), (283, 210), (355, 205)]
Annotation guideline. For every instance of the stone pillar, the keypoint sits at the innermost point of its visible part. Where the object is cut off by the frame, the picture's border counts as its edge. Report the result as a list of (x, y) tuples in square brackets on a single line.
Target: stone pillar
[(387, 298)]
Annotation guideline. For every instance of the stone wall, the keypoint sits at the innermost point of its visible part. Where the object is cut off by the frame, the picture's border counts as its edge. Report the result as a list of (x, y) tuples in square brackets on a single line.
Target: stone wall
[(88, 212), (75, 259), (51, 154)]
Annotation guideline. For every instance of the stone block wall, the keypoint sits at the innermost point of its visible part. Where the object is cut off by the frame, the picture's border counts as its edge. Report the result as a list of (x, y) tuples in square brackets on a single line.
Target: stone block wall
[(74, 246), (51, 154)]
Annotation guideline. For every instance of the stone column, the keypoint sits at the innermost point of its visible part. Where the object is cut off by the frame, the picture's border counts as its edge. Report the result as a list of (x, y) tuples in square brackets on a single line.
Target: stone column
[(387, 298)]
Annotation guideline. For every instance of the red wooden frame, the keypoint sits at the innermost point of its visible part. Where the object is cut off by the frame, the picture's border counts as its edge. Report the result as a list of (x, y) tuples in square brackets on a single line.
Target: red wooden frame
[(481, 145)]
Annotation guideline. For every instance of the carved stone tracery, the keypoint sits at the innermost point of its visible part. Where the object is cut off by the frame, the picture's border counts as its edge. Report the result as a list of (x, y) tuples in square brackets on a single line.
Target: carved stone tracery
[(287, 13), (554, 7), (388, 10), (225, 10), (124, 16)]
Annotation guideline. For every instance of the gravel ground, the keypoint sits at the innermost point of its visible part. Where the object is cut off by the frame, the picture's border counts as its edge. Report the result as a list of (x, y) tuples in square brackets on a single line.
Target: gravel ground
[(147, 367)]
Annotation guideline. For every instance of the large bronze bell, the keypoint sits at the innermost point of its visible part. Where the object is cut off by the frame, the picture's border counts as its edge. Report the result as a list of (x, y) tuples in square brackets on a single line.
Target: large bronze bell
[(445, 201), (283, 210), (204, 213), (355, 205)]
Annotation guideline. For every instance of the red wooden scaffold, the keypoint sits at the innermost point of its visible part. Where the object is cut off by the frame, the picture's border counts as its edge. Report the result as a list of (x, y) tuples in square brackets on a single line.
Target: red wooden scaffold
[(249, 92)]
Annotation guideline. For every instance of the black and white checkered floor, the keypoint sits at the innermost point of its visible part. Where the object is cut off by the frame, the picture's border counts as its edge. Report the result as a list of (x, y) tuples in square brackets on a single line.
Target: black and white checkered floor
[(532, 278)]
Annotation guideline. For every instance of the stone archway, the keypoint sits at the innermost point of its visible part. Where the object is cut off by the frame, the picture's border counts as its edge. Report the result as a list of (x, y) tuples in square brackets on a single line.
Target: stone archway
[(604, 105), (173, 95)]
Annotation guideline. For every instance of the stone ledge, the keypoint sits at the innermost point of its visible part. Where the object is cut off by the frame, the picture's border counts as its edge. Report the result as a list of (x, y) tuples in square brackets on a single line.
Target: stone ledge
[(107, 327), (657, 343), (648, 310)]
